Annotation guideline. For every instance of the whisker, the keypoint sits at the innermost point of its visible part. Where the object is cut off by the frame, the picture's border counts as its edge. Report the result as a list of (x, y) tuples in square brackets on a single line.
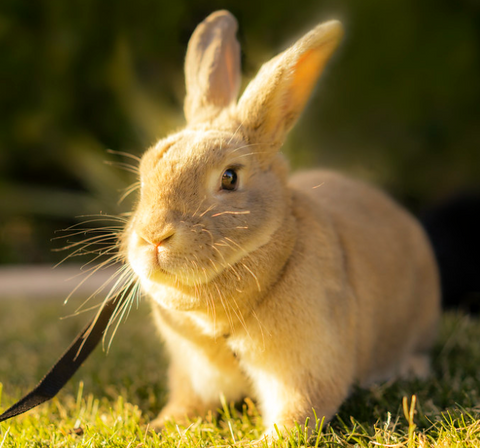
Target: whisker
[(88, 274), (240, 317), (124, 306), (254, 314), (213, 264), (210, 234), (99, 217), (204, 273), (113, 294), (225, 307), (88, 242), (210, 299), (114, 258), (227, 264), (99, 289), (236, 244), (128, 191), (193, 262), (82, 252), (208, 209), (244, 146), (84, 231), (219, 253), (246, 212), (86, 268), (194, 270), (124, 154), (199, 205), (78, 312), (235, 133), (253, 275), (120, 283), (123, 166), (249, 154)]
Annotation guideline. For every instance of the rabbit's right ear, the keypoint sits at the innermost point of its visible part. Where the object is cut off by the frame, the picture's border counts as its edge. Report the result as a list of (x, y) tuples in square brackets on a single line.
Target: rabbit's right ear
[(273, 101), (212, 67)]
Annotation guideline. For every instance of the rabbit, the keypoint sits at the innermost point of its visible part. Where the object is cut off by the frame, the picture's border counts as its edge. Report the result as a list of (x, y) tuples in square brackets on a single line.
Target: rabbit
[(288, 290)]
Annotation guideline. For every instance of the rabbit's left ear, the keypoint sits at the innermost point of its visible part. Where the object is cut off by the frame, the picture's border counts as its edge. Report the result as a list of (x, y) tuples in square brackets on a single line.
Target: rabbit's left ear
[(275, 98), (212, 67)]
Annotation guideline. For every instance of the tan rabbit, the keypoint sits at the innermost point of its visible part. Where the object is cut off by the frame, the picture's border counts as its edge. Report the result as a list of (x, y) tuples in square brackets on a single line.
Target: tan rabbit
[(266, 286)]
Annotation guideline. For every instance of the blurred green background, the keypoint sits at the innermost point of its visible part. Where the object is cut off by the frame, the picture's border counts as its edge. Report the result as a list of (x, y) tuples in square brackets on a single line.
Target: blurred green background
[(398, 105)]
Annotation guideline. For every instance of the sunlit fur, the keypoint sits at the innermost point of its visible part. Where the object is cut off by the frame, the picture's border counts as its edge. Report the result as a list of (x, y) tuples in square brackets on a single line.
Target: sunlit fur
[(286, 290)]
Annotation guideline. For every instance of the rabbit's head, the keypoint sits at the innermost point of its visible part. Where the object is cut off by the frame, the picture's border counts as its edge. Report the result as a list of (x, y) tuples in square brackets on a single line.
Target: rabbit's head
[(216, 192)]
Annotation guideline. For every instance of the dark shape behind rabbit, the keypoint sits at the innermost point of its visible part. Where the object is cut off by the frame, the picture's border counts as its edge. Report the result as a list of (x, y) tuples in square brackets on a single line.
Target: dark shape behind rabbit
[(454, 230)]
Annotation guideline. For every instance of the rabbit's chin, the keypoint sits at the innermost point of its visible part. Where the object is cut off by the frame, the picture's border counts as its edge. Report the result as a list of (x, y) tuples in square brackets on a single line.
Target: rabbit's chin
[(169, 297)]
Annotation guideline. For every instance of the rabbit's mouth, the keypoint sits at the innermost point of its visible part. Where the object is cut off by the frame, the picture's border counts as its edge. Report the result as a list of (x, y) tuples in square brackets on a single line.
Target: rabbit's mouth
[(169, 266)]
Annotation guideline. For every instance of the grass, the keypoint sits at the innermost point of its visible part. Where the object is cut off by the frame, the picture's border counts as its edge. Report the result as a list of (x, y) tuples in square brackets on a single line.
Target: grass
[(110, 400)]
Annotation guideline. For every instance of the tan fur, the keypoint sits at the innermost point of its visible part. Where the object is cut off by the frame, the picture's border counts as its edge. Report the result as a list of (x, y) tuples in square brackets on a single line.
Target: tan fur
[(288, 291)]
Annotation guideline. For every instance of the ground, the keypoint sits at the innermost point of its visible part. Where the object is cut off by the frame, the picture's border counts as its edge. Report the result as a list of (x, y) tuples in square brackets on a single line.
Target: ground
[(109, 402)]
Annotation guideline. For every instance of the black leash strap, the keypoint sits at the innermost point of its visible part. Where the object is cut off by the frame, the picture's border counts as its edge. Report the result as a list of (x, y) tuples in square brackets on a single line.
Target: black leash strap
[(67, 365)]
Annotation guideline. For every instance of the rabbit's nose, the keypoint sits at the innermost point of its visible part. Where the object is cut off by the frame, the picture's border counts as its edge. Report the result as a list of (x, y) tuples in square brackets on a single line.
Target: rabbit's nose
[(160, 243), (157, 241)]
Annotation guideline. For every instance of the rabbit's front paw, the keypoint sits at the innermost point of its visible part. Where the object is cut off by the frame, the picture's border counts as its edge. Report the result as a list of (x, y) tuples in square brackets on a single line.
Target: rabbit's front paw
[(172, 413)]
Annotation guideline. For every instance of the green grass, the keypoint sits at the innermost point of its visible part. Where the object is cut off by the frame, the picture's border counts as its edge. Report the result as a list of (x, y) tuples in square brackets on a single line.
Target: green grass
[(110, 400)]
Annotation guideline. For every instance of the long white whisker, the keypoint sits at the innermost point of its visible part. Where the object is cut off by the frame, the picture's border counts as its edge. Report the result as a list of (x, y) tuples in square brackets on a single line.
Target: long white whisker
[(124, 306), (245, 146), (99, 289), (89, 273), (248, 154), (102, 231), (124, 154), (128, 191), (236, 130), (122, 165), (89, 242)]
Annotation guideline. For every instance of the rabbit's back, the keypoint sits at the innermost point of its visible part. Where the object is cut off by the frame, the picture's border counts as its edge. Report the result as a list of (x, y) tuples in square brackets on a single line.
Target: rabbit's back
[(389, 267)]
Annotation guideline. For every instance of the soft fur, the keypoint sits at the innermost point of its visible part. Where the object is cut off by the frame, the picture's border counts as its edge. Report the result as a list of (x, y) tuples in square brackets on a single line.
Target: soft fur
[(286, 290)]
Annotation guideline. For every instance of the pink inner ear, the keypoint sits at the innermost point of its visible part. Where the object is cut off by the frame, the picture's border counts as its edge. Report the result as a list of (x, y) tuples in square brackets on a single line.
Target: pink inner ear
[(306, 72), (212, 67), (223, 73), (232, 68)]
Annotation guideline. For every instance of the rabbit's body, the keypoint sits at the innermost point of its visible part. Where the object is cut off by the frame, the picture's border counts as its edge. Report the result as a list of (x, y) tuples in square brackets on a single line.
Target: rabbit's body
[(289, 293), (390, 268)]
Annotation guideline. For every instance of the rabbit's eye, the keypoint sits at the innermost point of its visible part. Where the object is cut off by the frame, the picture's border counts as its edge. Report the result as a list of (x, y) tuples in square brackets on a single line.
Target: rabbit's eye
[(229, 179)]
